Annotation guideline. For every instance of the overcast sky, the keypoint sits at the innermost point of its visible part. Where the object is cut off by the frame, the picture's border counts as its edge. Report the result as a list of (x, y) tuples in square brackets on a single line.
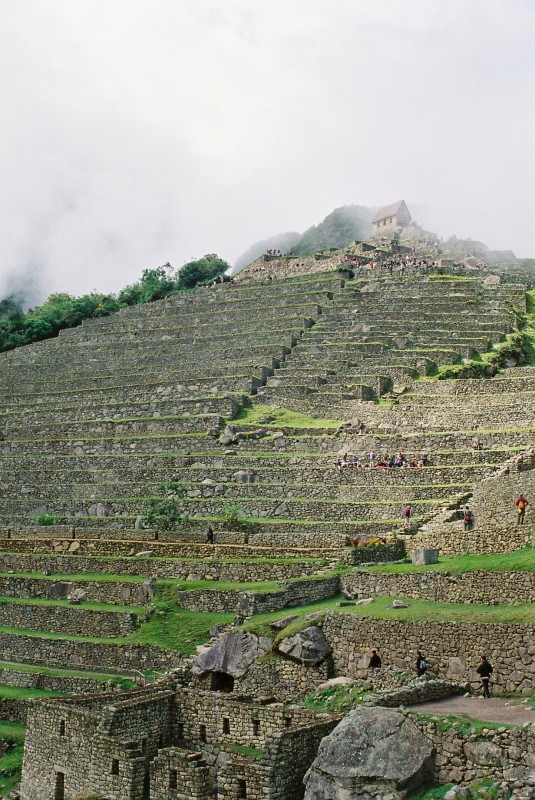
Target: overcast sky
[(136, 132)]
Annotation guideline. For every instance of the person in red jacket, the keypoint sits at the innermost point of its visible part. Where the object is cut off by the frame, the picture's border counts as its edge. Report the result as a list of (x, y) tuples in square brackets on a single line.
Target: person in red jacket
[(521, 504)]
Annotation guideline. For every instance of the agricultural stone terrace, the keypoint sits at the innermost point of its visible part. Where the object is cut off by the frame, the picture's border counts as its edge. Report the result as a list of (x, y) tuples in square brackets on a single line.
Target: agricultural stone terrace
[(224, 407)]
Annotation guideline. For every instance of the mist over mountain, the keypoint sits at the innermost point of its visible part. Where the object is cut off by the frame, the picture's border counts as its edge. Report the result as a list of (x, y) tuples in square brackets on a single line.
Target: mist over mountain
[(280, 241), (339, 228)]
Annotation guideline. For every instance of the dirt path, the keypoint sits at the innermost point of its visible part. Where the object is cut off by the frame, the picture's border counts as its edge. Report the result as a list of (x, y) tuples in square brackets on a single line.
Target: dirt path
[(505, 710)]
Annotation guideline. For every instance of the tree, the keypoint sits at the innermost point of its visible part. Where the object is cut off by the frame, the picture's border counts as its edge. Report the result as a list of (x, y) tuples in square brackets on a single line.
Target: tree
[(204, 270)]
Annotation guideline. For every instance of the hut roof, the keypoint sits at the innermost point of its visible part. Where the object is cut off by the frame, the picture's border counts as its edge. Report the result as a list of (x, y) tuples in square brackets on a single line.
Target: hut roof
[(388, 211)]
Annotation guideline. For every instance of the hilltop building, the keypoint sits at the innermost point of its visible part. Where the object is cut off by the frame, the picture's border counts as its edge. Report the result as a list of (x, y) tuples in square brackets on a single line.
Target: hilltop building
[(396, 215)]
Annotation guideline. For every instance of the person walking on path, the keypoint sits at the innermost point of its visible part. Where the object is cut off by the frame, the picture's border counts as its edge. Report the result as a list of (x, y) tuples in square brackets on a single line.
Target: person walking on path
[(406, 514), (521, 504), (468, 519), (421, 664), (209, 535), (484, 671)]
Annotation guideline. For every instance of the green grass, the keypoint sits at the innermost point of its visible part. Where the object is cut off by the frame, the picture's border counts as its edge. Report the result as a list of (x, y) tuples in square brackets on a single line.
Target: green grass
[(163, 587), (170, 628), (518, 561), (22, 693), (280, 417), (39, 601), (464, 724), (177, 629), (529, 329), (436, 793), (11, 762), (241, 750), (418, 611), (124, 683), (336, 699), (12, 732)]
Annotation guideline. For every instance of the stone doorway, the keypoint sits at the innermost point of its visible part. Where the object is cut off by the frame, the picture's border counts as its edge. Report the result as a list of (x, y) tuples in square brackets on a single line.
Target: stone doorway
[(146, 785), (59, 789), (222, 682)]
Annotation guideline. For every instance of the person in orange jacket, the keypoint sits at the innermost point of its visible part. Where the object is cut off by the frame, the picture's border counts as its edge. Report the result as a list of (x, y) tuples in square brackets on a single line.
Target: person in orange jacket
[(521, 504)]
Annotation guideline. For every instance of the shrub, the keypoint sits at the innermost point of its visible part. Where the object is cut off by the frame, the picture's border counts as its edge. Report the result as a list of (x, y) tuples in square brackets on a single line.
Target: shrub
[(376, 550), (48, 519), (233, 518)]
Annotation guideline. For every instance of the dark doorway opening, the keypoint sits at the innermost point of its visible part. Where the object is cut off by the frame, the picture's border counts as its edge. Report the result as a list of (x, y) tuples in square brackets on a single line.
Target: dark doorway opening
[(222, 682), (59, 790), (146, 786)]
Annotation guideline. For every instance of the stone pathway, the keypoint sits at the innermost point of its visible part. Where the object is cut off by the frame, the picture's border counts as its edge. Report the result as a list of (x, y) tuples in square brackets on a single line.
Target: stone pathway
[(506, 710)]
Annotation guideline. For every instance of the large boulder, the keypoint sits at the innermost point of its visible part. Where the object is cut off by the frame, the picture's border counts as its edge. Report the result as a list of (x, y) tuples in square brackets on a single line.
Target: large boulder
[(424, 555), (233, 654), (99, 510), (308, 647), (371, 752)]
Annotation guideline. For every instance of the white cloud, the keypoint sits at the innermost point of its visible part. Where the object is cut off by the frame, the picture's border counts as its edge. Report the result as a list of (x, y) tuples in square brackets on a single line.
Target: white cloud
[(137, 132)]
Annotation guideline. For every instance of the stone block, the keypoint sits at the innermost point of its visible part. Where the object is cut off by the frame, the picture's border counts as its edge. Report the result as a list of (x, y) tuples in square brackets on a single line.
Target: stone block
[(424, 555)]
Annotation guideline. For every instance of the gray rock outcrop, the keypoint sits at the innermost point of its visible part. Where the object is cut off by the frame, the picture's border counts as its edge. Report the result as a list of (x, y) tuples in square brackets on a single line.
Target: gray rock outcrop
[(99, 510), (308, 647), (233, 654), (372, 752)]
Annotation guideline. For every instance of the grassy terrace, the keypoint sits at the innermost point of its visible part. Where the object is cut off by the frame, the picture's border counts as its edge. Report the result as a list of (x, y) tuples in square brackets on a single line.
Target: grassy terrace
[(273, 416), (166, 588), (518, 561), (176, 629), (11, 762), (88, 606), (282, 456), (70, 519), (21, 693), (256, 498), (170, 628), (418, 611), (57, 672), (206, 417), (201, 435)]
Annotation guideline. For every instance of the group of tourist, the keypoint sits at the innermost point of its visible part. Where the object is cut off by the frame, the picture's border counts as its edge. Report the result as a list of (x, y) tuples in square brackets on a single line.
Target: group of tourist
[(272, 252), (521, 504), (394, 263), (484, 669), (386, 461)]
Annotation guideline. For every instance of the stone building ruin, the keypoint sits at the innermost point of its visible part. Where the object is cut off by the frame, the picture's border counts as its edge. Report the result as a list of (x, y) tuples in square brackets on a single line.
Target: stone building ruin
[(170, 742)]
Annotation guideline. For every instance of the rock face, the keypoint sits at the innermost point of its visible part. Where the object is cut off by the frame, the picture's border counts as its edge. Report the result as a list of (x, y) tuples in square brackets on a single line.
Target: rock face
[(371, 753), (99, 510), (309, 647), (233, 654)]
